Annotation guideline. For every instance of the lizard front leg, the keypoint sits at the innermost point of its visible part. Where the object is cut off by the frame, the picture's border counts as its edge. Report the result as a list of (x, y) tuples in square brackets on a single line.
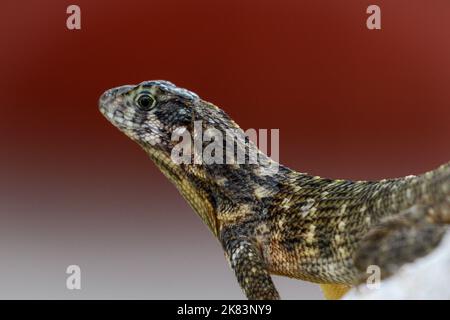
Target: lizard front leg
[(249, 266)]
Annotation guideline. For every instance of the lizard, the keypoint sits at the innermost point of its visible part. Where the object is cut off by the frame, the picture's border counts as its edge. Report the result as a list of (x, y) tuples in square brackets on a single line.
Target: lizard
[(281, 222)]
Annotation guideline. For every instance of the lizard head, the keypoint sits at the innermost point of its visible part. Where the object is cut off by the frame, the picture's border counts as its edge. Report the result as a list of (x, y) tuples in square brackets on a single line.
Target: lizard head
[(149, 112)]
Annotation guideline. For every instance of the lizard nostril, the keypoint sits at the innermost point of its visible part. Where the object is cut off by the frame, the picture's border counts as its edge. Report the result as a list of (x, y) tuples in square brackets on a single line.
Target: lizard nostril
[(111, 94), (107, 96)]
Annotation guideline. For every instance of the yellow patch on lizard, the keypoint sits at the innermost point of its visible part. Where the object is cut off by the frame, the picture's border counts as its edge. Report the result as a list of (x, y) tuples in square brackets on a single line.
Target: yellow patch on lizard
[(334, 291)]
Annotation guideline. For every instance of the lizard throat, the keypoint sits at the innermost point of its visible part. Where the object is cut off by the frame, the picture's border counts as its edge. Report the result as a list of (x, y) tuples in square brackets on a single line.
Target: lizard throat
[(196, 197)]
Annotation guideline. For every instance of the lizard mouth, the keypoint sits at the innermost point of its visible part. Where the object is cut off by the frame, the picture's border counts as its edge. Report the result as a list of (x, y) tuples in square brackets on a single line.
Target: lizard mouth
[(107, 105), (110, 101)]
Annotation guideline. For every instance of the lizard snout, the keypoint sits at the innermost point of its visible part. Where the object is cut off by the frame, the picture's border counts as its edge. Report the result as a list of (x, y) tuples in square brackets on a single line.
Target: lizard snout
[(106, 101), (111, 94)]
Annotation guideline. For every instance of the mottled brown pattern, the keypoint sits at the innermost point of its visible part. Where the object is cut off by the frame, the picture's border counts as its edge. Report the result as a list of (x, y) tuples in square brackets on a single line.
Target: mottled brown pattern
[(284, 222)]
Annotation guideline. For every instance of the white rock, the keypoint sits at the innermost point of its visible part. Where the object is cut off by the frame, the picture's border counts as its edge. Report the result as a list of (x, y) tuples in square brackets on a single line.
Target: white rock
[(426, 278)]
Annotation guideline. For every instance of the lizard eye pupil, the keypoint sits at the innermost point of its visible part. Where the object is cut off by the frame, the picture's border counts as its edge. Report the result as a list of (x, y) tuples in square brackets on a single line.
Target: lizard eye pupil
[(146, 101)]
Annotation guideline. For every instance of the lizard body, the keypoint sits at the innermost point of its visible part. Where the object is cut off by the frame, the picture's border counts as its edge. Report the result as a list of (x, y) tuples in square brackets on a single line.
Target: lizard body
[(281, 221)]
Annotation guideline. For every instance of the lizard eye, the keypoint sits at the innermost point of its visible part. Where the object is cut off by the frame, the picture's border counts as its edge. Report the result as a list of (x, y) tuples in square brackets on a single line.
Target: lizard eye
[(146, 102)]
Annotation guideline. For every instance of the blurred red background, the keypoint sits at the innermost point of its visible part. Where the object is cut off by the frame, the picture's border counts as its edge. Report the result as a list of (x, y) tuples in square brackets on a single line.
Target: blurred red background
[(349, 102)]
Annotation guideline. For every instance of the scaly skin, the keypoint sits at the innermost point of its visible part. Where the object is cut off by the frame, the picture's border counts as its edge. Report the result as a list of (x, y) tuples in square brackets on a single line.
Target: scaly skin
[(282, 221)]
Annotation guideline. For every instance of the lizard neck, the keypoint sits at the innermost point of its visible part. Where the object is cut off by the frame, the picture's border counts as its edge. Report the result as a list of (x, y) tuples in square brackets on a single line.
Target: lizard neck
[(199, 199)]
